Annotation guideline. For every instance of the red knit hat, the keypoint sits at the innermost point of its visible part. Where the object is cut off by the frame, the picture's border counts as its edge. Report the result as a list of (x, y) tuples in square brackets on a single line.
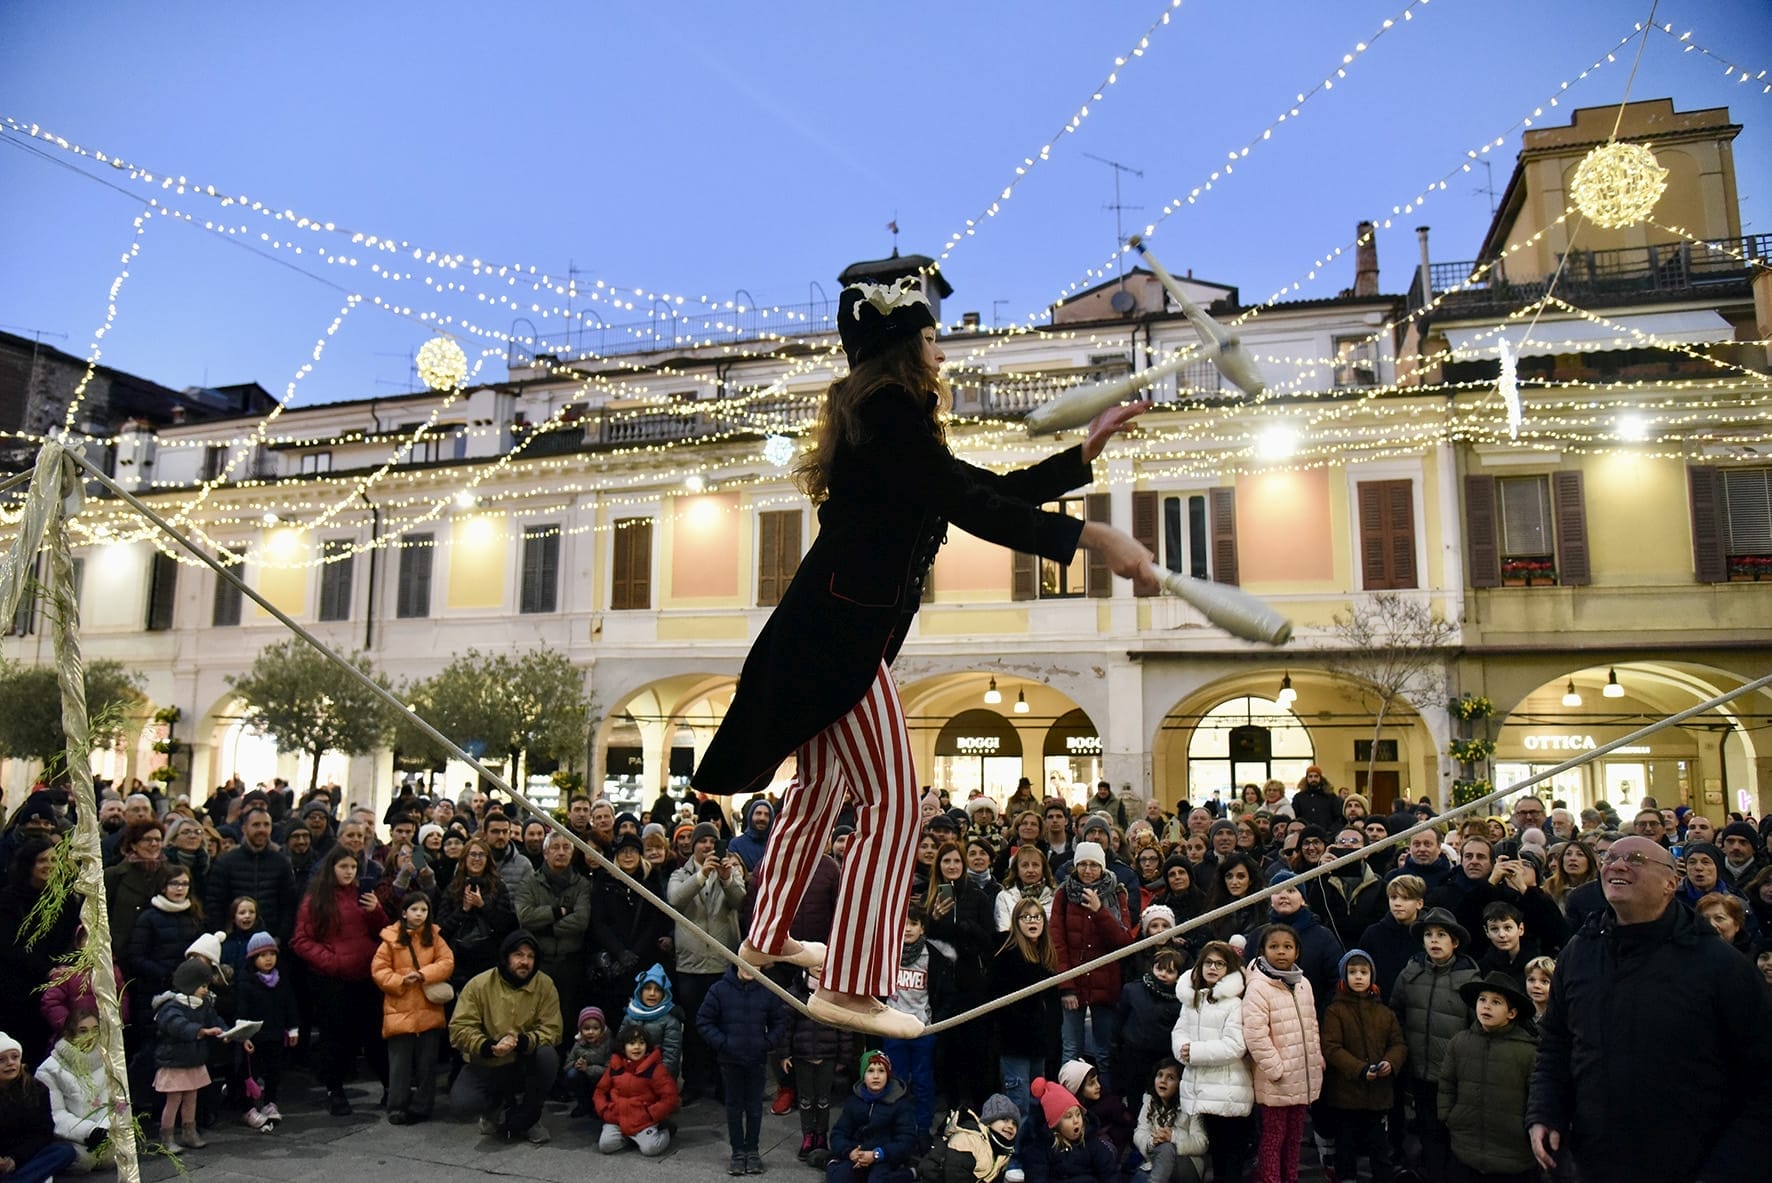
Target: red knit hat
[(1055, 1100)]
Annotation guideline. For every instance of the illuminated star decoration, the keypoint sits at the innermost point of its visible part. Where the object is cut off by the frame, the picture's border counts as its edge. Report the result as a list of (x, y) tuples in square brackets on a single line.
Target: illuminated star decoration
[(442, 364), (1510, 389), (1617, 185), (778, 450)]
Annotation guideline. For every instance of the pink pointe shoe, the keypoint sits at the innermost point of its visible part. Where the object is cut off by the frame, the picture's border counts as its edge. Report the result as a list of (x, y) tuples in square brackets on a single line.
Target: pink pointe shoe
[(879, 1019), (810, 956)]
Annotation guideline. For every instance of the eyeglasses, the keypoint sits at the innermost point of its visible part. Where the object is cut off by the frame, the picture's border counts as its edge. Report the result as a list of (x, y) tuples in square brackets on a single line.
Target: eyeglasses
[(1209, 962), (1636, 858)]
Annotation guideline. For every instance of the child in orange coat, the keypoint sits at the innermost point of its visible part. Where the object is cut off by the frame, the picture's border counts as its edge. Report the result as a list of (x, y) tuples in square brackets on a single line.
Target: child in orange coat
[(413, 963)]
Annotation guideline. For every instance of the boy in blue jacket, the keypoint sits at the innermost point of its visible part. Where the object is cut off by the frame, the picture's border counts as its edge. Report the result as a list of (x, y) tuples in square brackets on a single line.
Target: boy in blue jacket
[(875, 1138), (742, 1022)]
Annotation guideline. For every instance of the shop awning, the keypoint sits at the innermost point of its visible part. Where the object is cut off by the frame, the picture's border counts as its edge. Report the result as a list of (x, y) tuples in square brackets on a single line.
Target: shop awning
[(1073, 734), (1551, 337), (978, 732)]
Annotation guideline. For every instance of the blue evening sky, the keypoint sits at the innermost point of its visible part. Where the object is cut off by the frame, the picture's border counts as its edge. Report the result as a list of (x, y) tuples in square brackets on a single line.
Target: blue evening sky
[(704, 149)]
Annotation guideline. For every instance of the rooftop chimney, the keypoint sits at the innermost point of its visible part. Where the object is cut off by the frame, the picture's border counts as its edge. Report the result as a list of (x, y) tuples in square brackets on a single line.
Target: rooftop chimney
[(1366, 260)]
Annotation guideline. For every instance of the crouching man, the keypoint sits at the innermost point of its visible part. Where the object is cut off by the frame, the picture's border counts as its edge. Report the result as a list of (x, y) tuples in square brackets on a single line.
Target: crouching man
[(506, 1025)]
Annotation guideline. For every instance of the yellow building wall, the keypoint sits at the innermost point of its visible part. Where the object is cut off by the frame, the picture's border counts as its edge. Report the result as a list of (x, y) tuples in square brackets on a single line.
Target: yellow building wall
[(1284, 537), (1638, 525), (479, 562), (285, 586)]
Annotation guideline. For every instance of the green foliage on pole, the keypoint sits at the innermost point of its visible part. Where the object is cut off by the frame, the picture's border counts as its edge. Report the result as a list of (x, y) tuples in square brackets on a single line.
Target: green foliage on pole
[(307, 704), (31, 708)]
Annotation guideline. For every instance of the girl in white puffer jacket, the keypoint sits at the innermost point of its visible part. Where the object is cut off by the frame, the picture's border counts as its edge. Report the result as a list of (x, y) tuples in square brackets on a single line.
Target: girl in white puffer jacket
[(1215, 1081), (79, 1093)]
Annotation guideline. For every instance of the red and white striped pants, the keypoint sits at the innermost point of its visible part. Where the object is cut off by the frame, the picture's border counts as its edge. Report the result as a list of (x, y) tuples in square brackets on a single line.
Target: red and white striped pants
[(866, 755)]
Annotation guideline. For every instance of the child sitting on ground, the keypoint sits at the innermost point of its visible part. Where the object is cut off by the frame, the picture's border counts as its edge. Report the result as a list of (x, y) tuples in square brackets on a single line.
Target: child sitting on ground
[(1056, 1143), (1172, 1141), (976, 1148), (875, 1137), (587, 1060), (636, 1096), (1105, 1115)]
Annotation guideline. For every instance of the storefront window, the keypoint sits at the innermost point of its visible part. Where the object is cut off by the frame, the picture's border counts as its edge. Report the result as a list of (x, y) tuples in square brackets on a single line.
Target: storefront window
[(1243, 741), (978, 750), (1071, 763)]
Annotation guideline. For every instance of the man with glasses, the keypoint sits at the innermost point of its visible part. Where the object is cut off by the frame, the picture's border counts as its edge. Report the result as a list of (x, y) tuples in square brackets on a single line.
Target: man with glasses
[(1601, 1073), (1529, 814)]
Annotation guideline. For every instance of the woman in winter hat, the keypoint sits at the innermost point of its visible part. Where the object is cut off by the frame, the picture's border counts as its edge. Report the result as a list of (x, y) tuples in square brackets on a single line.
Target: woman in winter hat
[(816, 683)]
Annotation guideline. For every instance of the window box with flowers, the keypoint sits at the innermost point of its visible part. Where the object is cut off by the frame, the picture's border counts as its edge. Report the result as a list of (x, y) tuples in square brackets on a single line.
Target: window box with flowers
[(1472, 751), (1471, 706), (1533, 572), (168, 715), (167, 747), (164, 774), (1750, 568), (1466, 791)]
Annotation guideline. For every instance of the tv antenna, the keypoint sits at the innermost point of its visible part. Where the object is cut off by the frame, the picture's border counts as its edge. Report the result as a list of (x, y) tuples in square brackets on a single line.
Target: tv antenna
[(1122, 301), (1488, 186)]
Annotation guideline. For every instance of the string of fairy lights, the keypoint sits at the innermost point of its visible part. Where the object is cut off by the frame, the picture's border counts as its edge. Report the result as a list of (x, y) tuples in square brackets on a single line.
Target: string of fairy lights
[(513, 275)]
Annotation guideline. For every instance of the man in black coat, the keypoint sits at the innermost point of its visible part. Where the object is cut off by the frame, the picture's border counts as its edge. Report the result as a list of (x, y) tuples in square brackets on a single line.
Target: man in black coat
[(254, 868), (1314, 804), (1605, 1065)]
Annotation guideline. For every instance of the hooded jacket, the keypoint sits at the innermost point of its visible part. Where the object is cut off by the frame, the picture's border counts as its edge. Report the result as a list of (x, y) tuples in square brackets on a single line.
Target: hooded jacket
[(1216, 1079), (663, 1022), (749, 845), (636, 1095), (1483, 1084), (886, 1122), (1280, 1029), (493, 1005), (1359, 1029), (404, 1008), (1428, 1005), (1597, 1073), (855, 593)]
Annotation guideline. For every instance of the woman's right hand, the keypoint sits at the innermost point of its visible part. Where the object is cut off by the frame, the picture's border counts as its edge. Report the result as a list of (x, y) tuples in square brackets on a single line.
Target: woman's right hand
[(1185, 1052), (1068, 1001), (1125, 555)]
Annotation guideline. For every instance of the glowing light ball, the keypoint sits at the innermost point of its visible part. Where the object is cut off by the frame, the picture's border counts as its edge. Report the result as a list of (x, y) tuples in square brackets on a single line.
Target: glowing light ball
[(441, 364), (1618, 184), (778, 450)]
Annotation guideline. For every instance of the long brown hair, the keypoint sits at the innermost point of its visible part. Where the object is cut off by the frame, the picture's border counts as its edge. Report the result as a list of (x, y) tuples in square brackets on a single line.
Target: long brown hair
[(1042, 952), (932, 892), (458, 886), (322, 898), (839, 421)]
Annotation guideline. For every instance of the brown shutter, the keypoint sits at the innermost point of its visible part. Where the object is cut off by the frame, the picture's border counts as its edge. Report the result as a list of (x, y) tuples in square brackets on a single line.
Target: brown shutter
[(1710, 563), (768, 542), (1098, 580), (1144, 525), (1479, 530), (1400, 506), (630, 580), (1222, 508), (1024, 576), (1387, 535), (1570, 508)]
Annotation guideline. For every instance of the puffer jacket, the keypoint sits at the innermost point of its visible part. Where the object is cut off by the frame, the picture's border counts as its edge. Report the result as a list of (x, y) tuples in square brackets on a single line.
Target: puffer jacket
[(1359, 1029), (1044, 1160), (809, 1039), (713, 904), (157, 945), (1280, 1028), (1216, 1079), (1483, 1086), (1187, 1133), (178, 1018), (346, 952), (79, 1101), (636, 1096), (1081, 936), (1427, 1004), (1319, 952), (71, 990), (740, 1020), (404, 1008), (886, 1122)]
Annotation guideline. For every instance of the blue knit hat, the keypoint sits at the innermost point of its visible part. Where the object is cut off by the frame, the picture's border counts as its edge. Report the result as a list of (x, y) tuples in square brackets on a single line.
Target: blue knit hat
[(260, 942)]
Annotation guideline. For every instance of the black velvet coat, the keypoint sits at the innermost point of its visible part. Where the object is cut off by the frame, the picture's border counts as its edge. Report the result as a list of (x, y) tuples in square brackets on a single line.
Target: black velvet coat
[(852, 600)]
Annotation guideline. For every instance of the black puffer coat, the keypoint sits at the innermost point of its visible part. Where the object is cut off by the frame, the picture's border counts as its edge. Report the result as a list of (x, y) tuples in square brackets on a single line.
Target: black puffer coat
[(1609, 1062), (1428, 1005), (1482, 1094)]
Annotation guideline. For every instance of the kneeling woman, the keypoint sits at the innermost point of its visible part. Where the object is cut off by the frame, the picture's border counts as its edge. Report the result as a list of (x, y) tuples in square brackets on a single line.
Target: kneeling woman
[(816, 684)]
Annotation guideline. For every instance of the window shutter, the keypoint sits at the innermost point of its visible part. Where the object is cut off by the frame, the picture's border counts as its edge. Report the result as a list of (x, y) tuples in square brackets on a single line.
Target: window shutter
[(1479, 531), (778, 554), (412, 596), (225, 608), (1709, 561), (540, 589), (1144, 524), (1569, 506), (1024, 576), (631, 578), (1098, 580), (1387, 535), (1223, 510), (162, 591)]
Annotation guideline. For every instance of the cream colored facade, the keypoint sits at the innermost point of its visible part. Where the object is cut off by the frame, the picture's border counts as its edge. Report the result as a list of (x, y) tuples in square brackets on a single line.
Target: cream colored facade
[(674, 438)]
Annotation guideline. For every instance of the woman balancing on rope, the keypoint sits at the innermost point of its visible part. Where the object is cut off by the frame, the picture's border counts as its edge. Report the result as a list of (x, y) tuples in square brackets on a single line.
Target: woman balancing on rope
[(816, 684)]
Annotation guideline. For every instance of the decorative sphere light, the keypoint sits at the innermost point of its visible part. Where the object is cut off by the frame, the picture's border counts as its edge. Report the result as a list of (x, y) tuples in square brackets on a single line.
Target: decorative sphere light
[(1633, 428), (1617, 185), (441, 364), (1277, 442), (778, 450), (695, 482)]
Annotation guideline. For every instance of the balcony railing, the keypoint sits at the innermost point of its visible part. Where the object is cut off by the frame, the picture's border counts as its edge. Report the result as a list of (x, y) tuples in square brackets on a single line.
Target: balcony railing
[(1013, 396), (1632, 275)]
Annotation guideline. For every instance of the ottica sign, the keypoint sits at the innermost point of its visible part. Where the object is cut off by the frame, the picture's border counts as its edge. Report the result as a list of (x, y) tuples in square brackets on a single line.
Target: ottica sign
[(1560, 743), (979, 744)]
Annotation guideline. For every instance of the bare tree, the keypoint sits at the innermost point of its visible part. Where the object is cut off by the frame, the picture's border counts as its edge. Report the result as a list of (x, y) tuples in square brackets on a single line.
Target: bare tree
[(1391, 650)]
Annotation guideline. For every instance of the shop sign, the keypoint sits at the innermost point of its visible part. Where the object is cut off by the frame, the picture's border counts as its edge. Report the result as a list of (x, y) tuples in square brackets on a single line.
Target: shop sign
[(977, 745), (1083, 745), (1559, 743)]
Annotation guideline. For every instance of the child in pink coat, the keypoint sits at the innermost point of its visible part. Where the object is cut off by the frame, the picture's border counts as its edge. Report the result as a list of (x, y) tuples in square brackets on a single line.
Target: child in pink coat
[(1280, 1030)]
